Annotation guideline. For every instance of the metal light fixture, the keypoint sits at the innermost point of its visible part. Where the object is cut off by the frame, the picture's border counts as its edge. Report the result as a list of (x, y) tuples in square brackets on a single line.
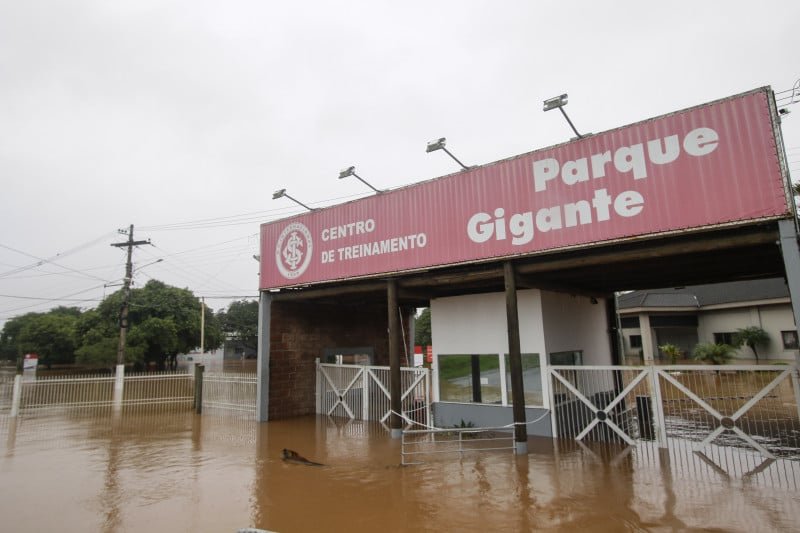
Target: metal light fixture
[(351, 171), (559, 102), (280, 193), (439, 145)]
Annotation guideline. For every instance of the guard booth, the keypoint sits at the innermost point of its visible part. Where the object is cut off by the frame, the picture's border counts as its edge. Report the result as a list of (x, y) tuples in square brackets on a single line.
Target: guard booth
[(523, 256)]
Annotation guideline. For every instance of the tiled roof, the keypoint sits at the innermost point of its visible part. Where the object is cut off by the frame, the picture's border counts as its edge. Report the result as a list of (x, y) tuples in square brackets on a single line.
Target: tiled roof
[(703, 295)]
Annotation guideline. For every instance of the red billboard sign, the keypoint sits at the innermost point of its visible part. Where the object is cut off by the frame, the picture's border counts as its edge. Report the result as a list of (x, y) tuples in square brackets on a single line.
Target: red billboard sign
[(709, 165)]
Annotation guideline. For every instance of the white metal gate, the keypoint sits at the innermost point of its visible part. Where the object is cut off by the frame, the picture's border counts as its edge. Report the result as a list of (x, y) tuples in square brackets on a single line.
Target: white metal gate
[(362, 392), (756, 408)]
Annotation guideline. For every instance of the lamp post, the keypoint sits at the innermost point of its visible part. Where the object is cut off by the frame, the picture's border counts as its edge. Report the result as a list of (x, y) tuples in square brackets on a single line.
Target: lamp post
[(559, 102), (280, 193), (439, 144), (351, 171)]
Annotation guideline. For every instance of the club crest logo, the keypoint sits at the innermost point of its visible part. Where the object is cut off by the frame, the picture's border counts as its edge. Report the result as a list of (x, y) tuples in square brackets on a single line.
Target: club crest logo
[(293, 250)]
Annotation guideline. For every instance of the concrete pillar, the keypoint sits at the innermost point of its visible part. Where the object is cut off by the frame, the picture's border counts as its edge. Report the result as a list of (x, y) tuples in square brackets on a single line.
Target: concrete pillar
[(262, 363), (119, 387), (16, 395), (648, 342)]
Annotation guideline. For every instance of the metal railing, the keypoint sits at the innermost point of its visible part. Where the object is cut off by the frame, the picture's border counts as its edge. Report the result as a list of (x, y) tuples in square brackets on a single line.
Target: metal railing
[(362, 392), (230, 392), (756, 408), (92, 391), (418, 443)]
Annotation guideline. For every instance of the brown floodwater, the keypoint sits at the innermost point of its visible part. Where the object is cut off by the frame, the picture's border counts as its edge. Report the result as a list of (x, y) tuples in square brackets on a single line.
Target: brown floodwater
[(174, 472)]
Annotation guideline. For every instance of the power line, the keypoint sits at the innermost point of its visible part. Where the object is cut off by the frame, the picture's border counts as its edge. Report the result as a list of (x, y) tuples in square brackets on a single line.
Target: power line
[(41, 261), (50, 299)]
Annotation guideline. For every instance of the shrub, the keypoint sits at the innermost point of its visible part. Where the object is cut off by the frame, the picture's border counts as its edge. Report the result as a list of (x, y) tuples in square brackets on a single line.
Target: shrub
[(716, 354)]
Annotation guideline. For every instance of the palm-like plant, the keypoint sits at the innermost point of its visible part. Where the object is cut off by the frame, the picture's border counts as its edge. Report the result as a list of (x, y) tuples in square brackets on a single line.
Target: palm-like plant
[(673, 352), (752, 336), (716, 354)]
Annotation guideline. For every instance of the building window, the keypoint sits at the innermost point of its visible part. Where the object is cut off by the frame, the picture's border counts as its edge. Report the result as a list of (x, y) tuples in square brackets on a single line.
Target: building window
[(571, 358), (531, 379), (636, 341), (470, 378), (724, 338), (477, 378), (789, 340)]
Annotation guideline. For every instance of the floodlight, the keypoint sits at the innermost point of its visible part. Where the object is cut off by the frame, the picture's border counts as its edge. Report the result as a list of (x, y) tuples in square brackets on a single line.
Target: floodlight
[(558, 102), (439, 145), (351, 171), (282, 192), (436, 145)]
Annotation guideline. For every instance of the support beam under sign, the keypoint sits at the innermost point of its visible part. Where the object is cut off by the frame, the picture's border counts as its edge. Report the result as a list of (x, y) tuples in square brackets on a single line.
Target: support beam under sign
[(395, 344), (515, 361)]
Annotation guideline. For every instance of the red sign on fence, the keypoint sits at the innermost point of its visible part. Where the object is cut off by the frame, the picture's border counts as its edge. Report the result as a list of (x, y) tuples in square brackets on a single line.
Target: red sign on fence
[(709, 165)]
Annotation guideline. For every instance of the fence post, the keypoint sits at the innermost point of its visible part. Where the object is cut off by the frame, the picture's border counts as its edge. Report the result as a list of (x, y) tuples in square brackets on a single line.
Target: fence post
[(198, 388), (16, 395), (318, 389), (428, 419), (364, 394), (119, 387), (658, 407)]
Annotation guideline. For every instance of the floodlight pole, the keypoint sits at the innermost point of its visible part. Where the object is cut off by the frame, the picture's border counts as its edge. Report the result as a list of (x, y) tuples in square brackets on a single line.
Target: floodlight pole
[(465, 167), (282, 192), (440, 145), (560, 102), (571, 125), (351, 171)]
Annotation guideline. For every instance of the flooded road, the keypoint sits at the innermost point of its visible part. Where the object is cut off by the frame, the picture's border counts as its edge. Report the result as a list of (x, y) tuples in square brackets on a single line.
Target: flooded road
[(175, 472)]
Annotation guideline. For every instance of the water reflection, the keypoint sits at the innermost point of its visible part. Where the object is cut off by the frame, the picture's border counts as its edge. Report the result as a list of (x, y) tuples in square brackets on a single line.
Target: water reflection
[(176, 471)]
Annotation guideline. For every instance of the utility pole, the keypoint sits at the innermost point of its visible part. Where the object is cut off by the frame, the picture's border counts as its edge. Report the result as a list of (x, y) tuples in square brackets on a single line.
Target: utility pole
[(202, 324), (126, 291)]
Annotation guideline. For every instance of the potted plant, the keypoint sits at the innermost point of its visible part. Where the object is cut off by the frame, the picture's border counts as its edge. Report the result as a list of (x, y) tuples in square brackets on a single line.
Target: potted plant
[(673, 352)]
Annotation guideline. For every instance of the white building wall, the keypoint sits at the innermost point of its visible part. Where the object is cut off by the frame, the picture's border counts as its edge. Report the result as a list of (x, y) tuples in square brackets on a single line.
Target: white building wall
[(773, 319), (476, 324), (574, 323)]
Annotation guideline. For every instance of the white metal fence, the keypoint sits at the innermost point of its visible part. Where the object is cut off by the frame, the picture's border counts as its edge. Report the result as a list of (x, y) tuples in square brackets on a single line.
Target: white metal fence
[(230, 392), (362, 393), (60, 392), (701, 408), (419, 444)]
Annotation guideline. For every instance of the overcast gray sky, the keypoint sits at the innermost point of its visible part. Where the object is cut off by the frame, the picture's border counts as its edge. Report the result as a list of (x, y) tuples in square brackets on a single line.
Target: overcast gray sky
[(182, 117)]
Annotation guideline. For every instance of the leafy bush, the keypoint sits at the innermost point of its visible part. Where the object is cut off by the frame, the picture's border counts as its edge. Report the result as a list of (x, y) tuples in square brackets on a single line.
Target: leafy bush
[(716, 354), (673, 352)]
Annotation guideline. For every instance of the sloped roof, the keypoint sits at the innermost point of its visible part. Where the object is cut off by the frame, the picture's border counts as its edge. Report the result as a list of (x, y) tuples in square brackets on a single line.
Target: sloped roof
[(704, 295)]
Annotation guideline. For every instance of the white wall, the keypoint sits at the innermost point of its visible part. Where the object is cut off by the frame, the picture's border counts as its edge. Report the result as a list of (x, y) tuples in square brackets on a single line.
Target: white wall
[(476, 324), (549, 322), (574, 323), (775, 319), (772, 318)]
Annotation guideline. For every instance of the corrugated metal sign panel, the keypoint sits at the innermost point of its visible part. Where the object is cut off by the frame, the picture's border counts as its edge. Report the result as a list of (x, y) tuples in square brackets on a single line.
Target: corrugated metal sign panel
[(704, 166)]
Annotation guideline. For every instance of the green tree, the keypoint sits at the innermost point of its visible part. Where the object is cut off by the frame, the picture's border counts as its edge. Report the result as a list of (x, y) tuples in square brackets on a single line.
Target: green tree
[(752, 336), (422, 328), (239, 322), (716, 354), (10, 348), (163, 321), (51, 336)]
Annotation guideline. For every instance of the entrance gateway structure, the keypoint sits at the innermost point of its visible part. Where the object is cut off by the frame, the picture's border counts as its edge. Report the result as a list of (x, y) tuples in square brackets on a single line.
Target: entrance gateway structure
[(519, 260)]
